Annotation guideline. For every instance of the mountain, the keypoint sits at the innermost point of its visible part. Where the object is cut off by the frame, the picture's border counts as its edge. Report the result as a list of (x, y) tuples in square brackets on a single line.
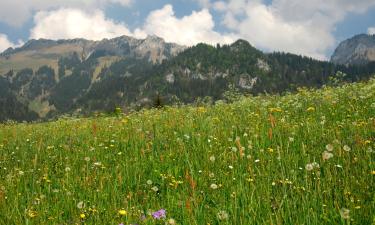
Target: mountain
[(358, 50), (46, 79), (37, 53)]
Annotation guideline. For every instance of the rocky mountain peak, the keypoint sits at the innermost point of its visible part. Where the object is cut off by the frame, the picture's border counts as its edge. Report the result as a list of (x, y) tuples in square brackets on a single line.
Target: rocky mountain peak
[(357, 50)]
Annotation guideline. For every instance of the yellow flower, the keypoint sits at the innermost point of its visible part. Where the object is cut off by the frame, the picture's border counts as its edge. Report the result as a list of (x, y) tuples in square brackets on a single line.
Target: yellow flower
[(82, 216), (310, 109), (373, 172), (275, 110), (122, 212), (32, 213)]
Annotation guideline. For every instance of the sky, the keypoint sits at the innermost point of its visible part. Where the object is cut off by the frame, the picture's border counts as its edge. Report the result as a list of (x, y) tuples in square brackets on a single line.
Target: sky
[(307, 27)]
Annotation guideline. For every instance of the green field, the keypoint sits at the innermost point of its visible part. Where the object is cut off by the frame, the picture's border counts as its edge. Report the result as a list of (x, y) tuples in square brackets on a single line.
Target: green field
[(303, 158)]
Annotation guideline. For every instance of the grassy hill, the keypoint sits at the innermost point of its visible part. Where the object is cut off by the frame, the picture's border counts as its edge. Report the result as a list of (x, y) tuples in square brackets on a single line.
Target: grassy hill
[(303, 158)]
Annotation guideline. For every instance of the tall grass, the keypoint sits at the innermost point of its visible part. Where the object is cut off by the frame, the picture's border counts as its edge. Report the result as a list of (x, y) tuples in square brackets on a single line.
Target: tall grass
[(304, 158)]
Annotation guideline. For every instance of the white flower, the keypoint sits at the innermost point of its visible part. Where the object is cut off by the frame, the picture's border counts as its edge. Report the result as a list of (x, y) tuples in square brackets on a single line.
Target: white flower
[(97, 164), (257, 160), (213, 186), (149, 182), (329, 147), (212, 158), (154, 188), (211, 175), (80, 205), (87, 159), (345, 213), (222, 215), (291, 139), (234, 149), (171, 221), (67, 169), (326, 155), (309, 167), (230, 167), (346, 148), (315, 165)]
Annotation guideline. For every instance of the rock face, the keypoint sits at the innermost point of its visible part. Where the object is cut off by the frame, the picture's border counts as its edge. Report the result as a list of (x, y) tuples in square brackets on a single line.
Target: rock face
[(358, 50)]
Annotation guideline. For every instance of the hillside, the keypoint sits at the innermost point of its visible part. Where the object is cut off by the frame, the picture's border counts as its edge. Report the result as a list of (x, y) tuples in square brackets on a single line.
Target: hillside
[(87, 77), (286, 159)]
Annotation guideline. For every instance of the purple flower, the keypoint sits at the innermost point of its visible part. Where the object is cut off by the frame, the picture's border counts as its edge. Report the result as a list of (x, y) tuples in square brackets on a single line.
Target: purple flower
[(159, 214)]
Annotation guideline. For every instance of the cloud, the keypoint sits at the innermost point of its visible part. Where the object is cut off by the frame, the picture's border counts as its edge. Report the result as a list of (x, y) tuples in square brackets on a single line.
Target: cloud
[(70, 23), (371, 30), (204, 3), (188, 30), (5, 43), (301, 27), (16, 12)]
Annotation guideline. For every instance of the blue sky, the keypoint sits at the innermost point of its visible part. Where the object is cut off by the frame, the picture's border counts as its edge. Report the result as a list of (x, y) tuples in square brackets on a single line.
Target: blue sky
[(312, 28)]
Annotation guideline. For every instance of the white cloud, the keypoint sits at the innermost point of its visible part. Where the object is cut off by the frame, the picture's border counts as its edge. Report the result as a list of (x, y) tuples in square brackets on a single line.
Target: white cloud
[(189, 30), (301, 27), (5, 43), (371, 30), (16, 12), (74, 23)]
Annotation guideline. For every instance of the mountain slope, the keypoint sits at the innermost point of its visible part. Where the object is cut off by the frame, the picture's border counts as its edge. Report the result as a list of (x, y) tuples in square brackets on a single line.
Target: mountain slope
[(358, 50)]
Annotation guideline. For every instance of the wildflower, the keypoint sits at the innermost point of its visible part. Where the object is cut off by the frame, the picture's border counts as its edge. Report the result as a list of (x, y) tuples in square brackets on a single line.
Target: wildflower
[(309, 167), (149, 182), (326, 155), (230, 167), (171, 221), (212, 158), (291, 139), (346, 148), (211, 175), (315, 165), (32, 213), (373, 172), (82, 216), (67, 169), (345, 213), (329, 147), (154, 188), (234, 149), (310, 109), (213, 186), (159, 214), (80, 205), (98, 164), (222, 215), (122, 212), (87, 159), (257, 160)]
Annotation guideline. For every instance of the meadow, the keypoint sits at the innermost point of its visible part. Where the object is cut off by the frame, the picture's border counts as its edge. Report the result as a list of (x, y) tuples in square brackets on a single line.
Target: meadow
[(302, 158)]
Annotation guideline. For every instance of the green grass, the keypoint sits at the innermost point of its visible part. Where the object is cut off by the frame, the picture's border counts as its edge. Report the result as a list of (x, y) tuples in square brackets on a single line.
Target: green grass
[(257, 152)]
